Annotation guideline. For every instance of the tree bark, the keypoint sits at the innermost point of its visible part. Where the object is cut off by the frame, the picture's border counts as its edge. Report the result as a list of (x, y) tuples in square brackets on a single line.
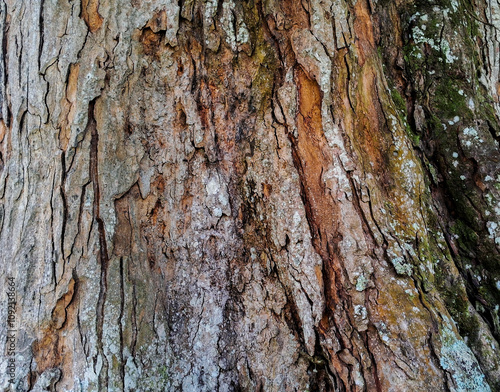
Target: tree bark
[(222, 195)]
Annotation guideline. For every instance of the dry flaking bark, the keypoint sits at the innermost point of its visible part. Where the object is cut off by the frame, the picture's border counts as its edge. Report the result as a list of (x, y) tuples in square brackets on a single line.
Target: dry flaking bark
[(251, 195)]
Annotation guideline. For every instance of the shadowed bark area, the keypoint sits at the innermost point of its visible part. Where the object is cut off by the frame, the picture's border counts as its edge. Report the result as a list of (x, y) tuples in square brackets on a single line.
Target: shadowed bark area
[(222, 195)]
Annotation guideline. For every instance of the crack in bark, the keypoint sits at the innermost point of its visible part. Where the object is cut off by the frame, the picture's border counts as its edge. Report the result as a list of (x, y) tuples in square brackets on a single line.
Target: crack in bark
[(102, 255), (64, 200), (120, 322), (52, 242)]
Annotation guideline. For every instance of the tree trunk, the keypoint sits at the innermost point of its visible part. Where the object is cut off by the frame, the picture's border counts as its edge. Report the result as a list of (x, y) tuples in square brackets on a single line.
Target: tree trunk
[(223, 195)]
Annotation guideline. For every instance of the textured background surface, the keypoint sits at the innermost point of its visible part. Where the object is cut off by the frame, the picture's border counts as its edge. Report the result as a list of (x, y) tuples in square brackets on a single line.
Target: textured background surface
[(231, 195)]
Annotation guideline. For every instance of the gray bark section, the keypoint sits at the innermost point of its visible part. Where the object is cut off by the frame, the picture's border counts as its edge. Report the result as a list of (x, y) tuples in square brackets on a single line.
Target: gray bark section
[(187, 203)]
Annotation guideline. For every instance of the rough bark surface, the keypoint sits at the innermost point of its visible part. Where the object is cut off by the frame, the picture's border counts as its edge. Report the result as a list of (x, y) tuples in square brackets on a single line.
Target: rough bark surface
[(261, 195)]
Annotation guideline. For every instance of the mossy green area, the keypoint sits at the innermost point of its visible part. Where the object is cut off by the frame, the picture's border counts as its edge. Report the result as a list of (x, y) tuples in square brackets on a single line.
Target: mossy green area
[(164, 376), (263, 82), (464, 232), (449, 98), (400, 104), (443, 65), (263, 55)]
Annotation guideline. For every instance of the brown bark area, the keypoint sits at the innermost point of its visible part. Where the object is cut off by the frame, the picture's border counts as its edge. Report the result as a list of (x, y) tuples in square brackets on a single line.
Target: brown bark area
[(262, 195)]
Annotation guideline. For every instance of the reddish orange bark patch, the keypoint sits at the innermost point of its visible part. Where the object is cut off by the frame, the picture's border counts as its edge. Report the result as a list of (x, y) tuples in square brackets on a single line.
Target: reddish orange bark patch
[(312, 158), (3, 129), (51, 350), (90, 14), (68, 106), (364, 31), (267, 189), (151, 42)]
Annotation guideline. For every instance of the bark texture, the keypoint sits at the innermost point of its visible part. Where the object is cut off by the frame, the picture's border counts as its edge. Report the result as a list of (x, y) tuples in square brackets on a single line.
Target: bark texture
[(260, 195)]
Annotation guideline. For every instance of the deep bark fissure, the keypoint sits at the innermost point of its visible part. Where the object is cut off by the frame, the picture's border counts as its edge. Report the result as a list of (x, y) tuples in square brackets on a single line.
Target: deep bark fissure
[(62, 194), (102, 256), (120, 323)]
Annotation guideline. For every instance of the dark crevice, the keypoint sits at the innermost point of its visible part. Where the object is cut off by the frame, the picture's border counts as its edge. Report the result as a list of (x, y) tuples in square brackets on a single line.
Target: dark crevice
[(134, 322), (53, 245), (494, 132), (102, 255), (348, 82), (64, 201), (41, 38), (120, 321), (375, 371), (321, 377), (4, 76)]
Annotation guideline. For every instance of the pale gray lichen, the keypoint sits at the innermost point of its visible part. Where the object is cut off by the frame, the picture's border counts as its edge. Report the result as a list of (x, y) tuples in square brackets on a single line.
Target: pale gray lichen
[(361, 283), (458, 360), (401, 267), (399, 262)]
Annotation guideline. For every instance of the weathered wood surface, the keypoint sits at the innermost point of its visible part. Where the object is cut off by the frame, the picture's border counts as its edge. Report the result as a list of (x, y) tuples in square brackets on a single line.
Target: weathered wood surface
[(255, 195)]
